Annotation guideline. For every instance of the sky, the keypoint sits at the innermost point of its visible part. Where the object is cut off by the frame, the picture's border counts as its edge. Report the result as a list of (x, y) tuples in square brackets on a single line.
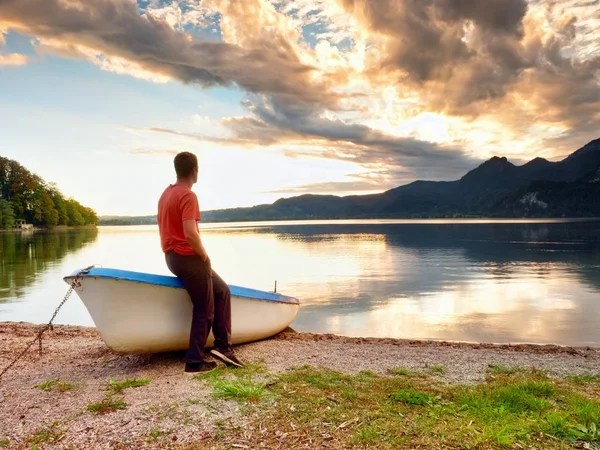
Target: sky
[(283, 98)]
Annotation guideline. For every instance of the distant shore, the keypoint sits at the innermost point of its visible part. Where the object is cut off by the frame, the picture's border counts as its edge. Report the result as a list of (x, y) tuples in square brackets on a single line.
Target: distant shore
[(125, 223), (76, 367)]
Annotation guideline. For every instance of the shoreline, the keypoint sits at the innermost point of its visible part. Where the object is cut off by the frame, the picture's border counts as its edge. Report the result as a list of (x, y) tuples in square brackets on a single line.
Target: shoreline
[(77, 358), (289, 334), (56, 228)]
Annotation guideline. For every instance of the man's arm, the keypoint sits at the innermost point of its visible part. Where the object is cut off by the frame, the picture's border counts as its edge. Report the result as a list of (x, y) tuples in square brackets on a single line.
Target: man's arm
[(192, 236)]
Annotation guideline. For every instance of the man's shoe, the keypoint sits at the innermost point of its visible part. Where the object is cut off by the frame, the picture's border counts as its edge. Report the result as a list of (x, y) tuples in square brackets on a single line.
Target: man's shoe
[(201, 367), (227, 357)]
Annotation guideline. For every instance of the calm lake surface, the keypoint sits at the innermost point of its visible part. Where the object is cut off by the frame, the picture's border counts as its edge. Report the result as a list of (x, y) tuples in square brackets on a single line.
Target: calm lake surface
[(483, 281)]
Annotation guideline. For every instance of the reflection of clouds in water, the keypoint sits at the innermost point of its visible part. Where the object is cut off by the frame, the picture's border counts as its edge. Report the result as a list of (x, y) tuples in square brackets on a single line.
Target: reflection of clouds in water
[(484, 282), (542, 311), (308, 268), (491, 283)]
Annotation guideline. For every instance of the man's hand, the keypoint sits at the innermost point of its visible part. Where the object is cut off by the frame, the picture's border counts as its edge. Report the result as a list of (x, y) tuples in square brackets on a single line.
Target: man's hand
[(192, 236)]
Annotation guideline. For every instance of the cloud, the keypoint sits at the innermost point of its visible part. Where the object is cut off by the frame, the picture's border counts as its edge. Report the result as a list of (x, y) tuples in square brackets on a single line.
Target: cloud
[(227, 141), (342, 79), (508, 69), (463, 43), (10, 59), (303, 133), (342, 187), (13, 59), (322, 20), (267, 63), (523, 61), (183, 13), (155, 152), (347, 141), (467, 57)]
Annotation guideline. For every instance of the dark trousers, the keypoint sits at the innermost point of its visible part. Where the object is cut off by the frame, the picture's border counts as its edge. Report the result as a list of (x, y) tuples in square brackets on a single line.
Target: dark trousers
[(211, 302)]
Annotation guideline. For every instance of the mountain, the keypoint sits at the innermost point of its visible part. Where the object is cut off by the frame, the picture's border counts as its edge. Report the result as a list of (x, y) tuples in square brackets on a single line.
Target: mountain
[(497, 188), (579, 198), (479, 192)]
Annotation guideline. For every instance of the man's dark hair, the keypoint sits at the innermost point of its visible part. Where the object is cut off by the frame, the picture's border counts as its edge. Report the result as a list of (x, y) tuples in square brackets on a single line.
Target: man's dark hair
[(185, 163)]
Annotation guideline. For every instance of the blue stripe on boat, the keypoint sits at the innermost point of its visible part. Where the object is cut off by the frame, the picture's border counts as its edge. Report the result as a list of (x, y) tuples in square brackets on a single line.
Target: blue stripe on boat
[(174, 282)]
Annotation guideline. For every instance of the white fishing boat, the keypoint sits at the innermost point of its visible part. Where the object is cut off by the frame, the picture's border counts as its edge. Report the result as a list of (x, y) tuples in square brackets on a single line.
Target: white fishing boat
[(146, 313)]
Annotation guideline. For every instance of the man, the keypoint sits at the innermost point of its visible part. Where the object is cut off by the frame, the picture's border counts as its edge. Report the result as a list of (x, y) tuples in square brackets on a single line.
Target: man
[(186, 258)]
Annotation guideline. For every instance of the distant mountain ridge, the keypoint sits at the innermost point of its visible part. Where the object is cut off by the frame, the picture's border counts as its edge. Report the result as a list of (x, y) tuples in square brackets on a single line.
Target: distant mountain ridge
[(496, 188), (579, 198), (127, 220)]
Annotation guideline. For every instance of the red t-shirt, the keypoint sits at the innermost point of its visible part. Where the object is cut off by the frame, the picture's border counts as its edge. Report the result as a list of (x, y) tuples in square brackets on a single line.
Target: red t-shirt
[(177, 203)]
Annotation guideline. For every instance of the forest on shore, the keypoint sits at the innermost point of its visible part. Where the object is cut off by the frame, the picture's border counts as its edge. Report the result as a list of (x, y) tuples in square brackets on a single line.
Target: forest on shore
[(26, 196)]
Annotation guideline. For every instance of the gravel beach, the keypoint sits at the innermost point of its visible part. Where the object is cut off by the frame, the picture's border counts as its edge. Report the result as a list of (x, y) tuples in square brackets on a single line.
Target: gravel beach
[(173, 410)]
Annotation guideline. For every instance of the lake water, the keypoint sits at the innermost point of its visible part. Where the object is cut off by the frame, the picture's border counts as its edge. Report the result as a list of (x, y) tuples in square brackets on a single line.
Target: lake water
[(483, 281)]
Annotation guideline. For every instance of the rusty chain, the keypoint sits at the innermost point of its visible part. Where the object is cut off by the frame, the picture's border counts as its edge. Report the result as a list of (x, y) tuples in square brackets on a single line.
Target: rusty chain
[(74, 284)]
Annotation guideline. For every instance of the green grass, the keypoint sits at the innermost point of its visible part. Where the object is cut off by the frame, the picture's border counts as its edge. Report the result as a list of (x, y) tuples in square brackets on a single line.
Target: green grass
[(415, 398), (434, 369), (497, 369), (404, 372), (50, 434), (46, 385), (118, 387), (438, 369), (64, 387), (514, 409), (221, 371), (5, 443), (50, 385), (584, 378), (108, 404), (157, 434), (240, 389), (237, 383)]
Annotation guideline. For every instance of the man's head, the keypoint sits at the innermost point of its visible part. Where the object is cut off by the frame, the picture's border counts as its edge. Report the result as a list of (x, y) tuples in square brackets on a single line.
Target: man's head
[(186, 167)]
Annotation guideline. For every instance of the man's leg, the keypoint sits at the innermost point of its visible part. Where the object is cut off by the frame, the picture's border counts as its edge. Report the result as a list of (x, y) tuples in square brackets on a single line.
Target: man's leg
[(193, 273), (222, 320), (222, 323)]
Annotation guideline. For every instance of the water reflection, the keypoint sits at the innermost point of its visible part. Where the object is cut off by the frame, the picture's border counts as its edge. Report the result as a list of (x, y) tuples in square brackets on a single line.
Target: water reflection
[(483, 282), (494, 282), (26, 255)]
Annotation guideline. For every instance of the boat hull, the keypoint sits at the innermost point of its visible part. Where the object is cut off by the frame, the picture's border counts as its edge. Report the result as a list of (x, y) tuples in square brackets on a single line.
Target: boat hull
[(145, 317)]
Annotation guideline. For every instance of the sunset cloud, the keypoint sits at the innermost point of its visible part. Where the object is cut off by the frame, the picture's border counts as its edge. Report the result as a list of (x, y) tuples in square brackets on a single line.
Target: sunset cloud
[(524, 61), (13, 59), (302, 133), (341, 187), (404, 89), (116, 29)]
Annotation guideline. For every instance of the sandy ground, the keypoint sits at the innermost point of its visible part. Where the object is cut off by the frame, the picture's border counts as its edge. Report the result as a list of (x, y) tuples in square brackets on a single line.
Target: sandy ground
[(174, 410)]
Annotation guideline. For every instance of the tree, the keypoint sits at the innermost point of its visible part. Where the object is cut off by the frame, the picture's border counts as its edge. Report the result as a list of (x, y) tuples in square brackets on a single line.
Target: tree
[(27, 196), (59, 203), (49, 213), (75, 217), (89, 216), (7, 215)]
